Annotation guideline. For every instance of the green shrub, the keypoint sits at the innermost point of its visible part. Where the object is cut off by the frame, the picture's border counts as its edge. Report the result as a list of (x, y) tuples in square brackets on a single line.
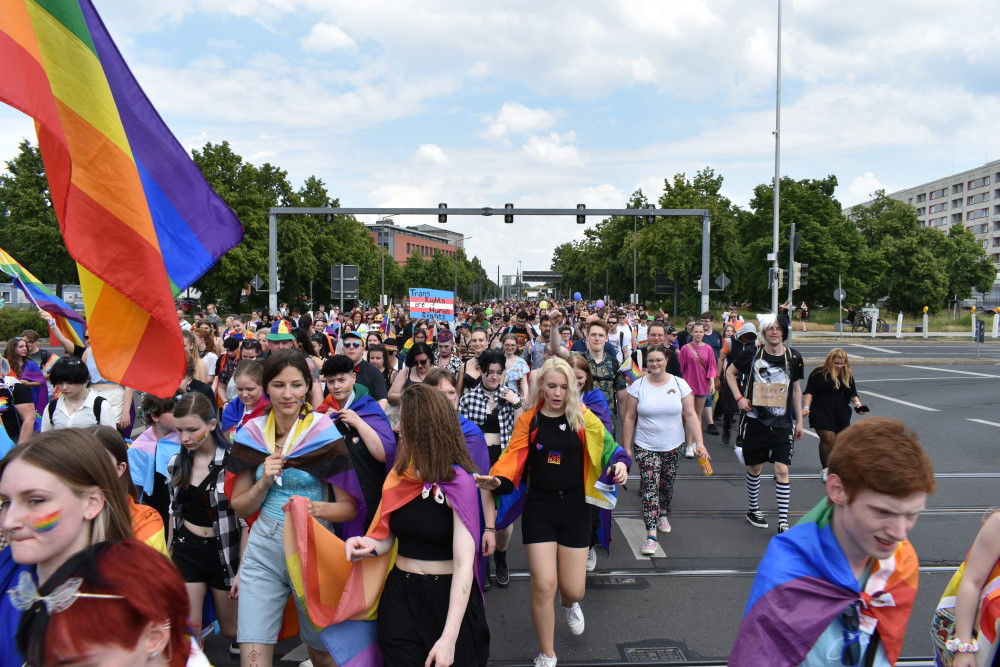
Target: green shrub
[(15, 320)]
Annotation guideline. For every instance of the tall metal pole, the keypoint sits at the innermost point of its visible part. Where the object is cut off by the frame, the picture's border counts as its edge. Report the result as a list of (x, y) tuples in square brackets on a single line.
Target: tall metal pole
[(777, 173), (381, 298), (706, 246), (272, 262), (635, 259), (791, 287)]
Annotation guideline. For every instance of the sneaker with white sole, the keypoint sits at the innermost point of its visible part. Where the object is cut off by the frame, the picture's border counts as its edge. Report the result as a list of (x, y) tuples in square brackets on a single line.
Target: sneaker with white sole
[(574, 618), (591, 559), (234, 649), (690, 450), (649, 546), (543, 660), (782, 526), (756, 519), (663, 524)]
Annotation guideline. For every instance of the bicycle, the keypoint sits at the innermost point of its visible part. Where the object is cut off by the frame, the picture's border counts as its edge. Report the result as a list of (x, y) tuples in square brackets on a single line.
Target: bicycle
[(864, 323)]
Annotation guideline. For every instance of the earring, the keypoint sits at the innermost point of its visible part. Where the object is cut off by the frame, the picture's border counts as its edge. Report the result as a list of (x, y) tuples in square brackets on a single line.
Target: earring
[(154, 654)]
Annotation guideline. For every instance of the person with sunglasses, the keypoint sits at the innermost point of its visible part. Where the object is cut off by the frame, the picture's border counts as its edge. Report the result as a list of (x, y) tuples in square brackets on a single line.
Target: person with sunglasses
[(353, 346), (838, 588), (419, 361)]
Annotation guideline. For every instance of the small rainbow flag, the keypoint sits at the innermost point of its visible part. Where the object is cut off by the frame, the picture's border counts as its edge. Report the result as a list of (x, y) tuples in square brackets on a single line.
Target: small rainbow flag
[(631, 371), (68, 321), (135, 211)]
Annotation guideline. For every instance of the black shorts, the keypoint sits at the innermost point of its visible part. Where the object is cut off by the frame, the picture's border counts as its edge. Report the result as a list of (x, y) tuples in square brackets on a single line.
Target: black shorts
[(764, 444), (411, 617), (494, 451), (198, 559), (562, 517)]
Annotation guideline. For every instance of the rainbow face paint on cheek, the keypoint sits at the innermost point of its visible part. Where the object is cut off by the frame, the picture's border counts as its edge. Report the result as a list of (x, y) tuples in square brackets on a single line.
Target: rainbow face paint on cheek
[(47, 522), (201, 437)]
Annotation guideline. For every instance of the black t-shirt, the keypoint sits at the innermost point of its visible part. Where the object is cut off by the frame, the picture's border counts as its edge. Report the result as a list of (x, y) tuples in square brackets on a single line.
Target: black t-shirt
[(370, 471), (758, 366), (522, 336), (10, 398), (715, 340), (372, 379), (555, 457)]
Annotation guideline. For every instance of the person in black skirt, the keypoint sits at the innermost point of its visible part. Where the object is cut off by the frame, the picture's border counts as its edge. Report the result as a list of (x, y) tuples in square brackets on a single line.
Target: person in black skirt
[(431, 609), (830, 392)]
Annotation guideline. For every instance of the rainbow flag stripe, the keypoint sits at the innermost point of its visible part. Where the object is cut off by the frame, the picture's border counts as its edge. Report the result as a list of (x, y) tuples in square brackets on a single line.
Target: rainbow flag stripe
[(68, 321), (135, 211)]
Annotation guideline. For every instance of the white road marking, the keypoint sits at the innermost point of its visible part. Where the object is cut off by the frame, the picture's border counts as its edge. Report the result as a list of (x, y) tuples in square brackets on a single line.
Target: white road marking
[(896, 400), (635, 534), (936, 378), (877, 349), (807, 431), (950, 370), (983, 421), (854, 356)]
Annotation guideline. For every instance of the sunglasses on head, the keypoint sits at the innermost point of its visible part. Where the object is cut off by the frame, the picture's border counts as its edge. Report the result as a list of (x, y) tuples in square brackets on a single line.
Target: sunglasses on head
[(250, 345)]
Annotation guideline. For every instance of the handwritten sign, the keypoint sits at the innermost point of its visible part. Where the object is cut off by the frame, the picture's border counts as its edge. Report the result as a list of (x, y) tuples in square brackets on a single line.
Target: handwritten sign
[(432, 304)]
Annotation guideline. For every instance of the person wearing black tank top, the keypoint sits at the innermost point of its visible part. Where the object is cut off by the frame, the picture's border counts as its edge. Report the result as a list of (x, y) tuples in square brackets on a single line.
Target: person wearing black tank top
[(572, 461), (430, 611), (471, 375)]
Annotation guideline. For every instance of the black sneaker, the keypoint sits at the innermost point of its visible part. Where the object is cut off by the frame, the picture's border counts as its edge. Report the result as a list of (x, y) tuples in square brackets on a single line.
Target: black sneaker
[(756, 519), (713, 429), (488, 584), (726, 435), (234, 649), (503, 573), (782, 526)]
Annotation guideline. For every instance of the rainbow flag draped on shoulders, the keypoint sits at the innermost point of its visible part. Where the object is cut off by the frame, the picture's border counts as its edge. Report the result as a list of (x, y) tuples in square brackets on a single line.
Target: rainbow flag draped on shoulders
[(136, 213), (804, 582), (341, 597), (68, 321)]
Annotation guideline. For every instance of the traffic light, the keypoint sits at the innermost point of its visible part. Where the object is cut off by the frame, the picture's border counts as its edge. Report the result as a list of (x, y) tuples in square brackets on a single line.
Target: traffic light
[(442, 216), (508, 217), (650, 219), (581, 219), (799, 275)]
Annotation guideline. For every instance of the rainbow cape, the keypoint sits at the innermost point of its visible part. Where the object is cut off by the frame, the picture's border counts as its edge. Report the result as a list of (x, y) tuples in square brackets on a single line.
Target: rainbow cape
[(594, 400), (68, 321), (601, 452), (315, 446), (136, 213), (804, 582), (986, 626), (342, 597)]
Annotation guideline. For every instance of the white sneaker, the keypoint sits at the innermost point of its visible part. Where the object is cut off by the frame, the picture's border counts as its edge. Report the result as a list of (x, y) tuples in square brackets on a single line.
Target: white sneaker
[(739, 455), (591, 559), (543, 660), (574, 618), (690, 450)]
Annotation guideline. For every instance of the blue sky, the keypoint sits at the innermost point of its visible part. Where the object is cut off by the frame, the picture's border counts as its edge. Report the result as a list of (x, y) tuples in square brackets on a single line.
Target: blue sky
[(550, 104)]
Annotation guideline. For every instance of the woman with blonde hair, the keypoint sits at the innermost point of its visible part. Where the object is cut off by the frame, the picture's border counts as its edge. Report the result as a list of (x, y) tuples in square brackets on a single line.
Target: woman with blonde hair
[(191, 352), (829, 394), (573, 462), (60, 495)]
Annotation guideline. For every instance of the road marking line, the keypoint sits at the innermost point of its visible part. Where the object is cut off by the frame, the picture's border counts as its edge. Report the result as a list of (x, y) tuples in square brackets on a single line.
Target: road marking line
[(983, 421), (805, 430), (854, 356), (948, 370), (635, 534), (918, 379), (896, 400), (877, 349)]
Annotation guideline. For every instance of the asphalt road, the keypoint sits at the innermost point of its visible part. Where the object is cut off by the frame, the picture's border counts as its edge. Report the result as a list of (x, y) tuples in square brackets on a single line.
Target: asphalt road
[(685, 603)]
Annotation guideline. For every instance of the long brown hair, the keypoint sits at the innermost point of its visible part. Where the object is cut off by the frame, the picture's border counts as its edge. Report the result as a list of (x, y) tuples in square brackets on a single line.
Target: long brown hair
[(430, 437), (843, 378), (197, 404), (81, 462)]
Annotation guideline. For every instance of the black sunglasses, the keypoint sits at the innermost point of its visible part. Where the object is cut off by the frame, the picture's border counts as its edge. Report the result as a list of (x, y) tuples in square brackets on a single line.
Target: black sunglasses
[(850, 622)]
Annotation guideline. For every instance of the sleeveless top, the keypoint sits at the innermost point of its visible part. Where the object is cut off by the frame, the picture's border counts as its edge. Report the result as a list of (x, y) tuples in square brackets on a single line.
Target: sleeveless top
[(95, 375), (294, 482)]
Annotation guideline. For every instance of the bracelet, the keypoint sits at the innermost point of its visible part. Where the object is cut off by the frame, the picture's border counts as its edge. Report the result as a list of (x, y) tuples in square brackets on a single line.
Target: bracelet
[(519, 405), (740, 398), (958, 646), (490, 530)]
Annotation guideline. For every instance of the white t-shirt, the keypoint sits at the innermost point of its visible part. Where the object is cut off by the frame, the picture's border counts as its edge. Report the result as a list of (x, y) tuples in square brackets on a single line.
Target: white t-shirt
[(211, 360), (658, 425)]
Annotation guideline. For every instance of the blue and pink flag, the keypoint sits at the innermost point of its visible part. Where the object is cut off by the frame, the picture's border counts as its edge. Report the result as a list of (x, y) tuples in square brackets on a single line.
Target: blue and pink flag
[(432, 304), (803, 584)]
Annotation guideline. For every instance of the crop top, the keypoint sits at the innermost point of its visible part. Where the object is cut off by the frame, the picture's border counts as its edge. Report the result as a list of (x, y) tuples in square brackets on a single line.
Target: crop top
[(294, 482), (424, 529), (196, 508), (492, 422)]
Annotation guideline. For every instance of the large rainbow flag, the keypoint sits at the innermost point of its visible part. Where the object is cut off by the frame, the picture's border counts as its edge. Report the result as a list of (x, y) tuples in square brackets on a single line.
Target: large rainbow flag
[(804, 582), (68, 321), (136, 213)]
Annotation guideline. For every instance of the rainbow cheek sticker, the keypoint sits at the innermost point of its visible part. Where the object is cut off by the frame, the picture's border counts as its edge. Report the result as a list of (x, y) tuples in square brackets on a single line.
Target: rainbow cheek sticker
[(48, 522)]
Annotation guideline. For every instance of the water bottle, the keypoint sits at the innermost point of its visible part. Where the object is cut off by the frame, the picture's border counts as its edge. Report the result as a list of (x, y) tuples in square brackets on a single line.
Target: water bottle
[(706, 465)]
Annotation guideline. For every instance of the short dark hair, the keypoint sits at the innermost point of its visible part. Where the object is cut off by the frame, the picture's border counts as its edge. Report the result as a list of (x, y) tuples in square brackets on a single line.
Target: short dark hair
[(417, 349), (489, 357), (69, 369), (522, 314), (338, 364)]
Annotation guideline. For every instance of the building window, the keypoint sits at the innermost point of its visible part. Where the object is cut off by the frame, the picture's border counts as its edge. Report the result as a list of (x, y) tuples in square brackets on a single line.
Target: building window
[(937, 194), (956, 203), (936, 222), (910, 200), (937, 208), (956, 217), (981, 197), (956, 188), (921, 210), (921, 197), (978, 213), (979, 182)]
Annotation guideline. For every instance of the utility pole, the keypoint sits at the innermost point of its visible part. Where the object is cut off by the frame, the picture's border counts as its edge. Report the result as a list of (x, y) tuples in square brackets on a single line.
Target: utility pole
[(777, 174), (635, 260)]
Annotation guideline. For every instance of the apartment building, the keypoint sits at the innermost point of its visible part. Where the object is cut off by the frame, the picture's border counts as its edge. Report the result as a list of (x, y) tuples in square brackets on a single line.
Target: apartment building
[(425, 239)]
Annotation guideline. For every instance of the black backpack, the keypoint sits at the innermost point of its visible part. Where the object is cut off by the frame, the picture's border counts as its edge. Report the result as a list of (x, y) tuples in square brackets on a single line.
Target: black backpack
[(98, 402)]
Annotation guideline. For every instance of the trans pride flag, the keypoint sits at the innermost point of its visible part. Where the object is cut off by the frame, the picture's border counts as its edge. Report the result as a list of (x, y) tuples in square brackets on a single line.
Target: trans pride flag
[(804, 582), (135, 211), (68, 321)]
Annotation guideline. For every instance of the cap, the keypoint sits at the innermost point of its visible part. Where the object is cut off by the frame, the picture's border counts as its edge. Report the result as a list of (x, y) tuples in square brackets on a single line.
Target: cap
[(352, 334), (281, 330), (669, 329)]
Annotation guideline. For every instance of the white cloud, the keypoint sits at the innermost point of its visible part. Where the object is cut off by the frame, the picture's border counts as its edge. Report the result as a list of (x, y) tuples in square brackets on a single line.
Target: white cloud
[(862, 189), (432, 153), (515, 118), (328, 37), (555, 149)]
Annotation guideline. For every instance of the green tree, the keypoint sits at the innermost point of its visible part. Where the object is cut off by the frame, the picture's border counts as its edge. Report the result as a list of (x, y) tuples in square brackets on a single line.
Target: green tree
[(29, 230), (968, 267)]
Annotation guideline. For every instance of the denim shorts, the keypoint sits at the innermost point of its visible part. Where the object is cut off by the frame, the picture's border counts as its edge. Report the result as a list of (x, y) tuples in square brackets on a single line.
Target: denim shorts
[(265, 587)]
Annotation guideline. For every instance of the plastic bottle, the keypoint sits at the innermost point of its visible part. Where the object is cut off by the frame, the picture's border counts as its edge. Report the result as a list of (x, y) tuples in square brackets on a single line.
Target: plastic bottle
[(706, 465)]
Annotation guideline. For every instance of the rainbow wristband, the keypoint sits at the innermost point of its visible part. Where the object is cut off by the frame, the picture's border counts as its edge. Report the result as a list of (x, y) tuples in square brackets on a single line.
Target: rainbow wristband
[(958, 646)]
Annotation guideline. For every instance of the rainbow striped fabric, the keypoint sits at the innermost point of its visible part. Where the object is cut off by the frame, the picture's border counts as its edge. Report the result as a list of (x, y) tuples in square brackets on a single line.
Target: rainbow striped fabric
[(136, 213), (68, 321), (804, 582)]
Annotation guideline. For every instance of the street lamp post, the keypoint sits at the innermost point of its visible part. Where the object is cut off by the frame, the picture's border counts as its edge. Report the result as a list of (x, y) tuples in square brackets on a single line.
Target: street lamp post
[(635, 258)]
